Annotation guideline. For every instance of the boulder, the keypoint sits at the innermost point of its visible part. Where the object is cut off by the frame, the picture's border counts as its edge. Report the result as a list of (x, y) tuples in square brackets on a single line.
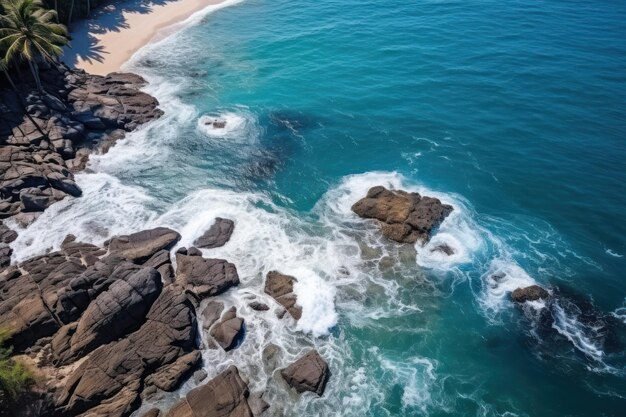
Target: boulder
[(211, 313), (153, 412), (217, 235), (405, 217), (258, 306), (531, 293), (309, 373), (142, 245), (228, 332), (205, 277), (272, 355), (226, 395), (280, 287)]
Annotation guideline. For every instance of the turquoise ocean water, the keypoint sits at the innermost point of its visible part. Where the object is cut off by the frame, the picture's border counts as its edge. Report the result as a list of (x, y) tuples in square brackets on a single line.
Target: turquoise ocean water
[(513, 112)]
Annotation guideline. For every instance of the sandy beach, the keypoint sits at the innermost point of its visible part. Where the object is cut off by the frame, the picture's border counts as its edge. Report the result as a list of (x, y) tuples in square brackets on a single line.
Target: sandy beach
[(104, 42)]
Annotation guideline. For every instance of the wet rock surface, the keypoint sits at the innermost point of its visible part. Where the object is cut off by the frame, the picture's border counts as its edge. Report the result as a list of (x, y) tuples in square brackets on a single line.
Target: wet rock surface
[(41, 134), (405, 217), (204, 277), (217, 235), (309, 373), (280, 287), (228, 332), (226, 395), (531, 293)]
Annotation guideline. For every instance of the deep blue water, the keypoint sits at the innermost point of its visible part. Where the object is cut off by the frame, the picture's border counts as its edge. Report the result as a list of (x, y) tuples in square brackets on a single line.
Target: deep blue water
[(514, 112)]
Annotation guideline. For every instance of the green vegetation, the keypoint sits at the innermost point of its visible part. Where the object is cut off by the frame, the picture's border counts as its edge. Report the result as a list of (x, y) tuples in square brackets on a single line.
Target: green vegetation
[(14, 376), (28, 33)]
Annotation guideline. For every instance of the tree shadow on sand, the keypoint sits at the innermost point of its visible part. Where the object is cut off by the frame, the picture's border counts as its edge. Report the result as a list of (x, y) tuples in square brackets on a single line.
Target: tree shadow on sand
[(84, 45)]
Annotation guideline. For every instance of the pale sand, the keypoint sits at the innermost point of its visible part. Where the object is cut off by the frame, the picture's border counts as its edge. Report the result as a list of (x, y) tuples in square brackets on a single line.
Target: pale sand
[(102, 43)]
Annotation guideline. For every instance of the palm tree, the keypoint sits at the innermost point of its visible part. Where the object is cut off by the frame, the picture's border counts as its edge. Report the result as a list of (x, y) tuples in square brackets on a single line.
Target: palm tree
[(27, 32)]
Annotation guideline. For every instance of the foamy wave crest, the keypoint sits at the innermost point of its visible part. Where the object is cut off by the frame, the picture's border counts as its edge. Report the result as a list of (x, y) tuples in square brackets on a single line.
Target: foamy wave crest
[(266, 238), (106, 208), (502, 278), (239, 125), (568, 325)]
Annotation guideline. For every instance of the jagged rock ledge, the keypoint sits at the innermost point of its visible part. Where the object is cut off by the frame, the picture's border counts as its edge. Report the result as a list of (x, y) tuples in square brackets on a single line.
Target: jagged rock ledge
[(45, 137), (108, 327)]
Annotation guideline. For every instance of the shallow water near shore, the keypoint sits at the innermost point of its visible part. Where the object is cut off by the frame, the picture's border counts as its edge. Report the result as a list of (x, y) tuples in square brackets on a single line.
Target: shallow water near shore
[(513, 112)]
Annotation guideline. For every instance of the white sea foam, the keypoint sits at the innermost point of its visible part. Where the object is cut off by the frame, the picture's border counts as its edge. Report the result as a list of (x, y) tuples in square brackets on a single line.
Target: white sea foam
[(502, 278), (239, 125), (573, 330)]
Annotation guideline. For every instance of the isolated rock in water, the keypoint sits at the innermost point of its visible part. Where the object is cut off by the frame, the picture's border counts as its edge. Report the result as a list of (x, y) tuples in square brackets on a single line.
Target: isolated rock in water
[(280, 287), (531, 293), (205, 277), (229, 331), (443, 248), (211, 313), (271, 357), (217, 235), (309, 373), (226, 395), (258, 306), (142, 245), (216, 123), (107, 383), (406, 217)]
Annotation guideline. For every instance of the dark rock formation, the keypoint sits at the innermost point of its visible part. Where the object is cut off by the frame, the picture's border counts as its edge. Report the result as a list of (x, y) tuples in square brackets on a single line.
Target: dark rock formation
[(142, 245), (171, 376), (153, 412), (205, 277), (115, 312), (443, 248), (217, 235), (211, 313), (258, 306), (229, 330), (531, 293), (257, 404), (309, 373), (161, 262), (271, 357), (405, 217), (41, 134), (280, 287), (108, 382), (226, 395)]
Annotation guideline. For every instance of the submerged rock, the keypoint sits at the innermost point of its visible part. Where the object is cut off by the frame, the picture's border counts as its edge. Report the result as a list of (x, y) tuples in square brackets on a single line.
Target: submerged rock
[(309, 373), (217, 235), (531, 293), (280, 287), (406, 217)]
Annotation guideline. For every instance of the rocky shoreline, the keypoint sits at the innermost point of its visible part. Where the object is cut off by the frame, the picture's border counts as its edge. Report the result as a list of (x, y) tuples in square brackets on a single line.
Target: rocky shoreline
[(109, 327), (47, 136)]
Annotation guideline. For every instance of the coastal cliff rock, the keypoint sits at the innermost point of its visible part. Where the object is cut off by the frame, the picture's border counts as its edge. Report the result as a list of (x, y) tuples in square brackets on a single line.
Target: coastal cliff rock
[(226, 395), (204, 277), (309, 373), (405, 217), (217, 235), (44, 136), (109, 381), (531, 293), (280, 287)]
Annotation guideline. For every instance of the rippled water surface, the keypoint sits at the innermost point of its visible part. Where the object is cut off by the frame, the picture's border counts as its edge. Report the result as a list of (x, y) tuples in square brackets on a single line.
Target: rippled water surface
[(513, 112)]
